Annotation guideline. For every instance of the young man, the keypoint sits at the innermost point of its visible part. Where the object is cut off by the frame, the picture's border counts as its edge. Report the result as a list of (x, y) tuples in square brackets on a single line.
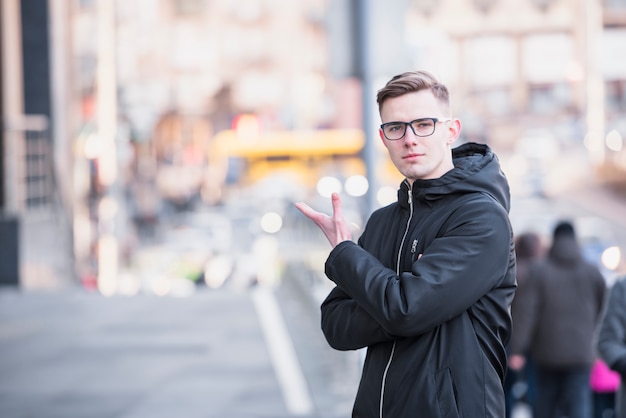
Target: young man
[(428, 287)]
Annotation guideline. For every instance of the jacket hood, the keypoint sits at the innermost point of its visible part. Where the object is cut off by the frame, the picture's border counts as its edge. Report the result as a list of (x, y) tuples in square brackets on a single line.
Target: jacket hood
[(565, 250), (476, 169)]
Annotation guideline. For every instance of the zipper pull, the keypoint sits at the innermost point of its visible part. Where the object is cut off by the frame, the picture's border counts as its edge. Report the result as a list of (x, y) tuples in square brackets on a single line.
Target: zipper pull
[(414, 246)]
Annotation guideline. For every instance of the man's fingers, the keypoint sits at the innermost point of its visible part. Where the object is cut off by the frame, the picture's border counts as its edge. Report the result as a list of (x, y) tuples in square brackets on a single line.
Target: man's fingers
[(310, 213), (336, 200), (335, 228), (305, 209), (302, 207)]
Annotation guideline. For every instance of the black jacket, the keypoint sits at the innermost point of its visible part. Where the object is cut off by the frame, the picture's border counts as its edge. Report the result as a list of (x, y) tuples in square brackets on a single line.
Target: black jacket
[(427, 290), (612, 338)]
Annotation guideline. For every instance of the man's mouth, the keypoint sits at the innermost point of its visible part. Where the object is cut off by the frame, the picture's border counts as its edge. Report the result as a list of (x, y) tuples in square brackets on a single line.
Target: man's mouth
[(411, 156)]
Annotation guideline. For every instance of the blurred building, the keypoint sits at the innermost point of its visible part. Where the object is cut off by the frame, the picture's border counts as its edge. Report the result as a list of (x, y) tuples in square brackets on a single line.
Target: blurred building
[(36, 140), (109, 106), (516, 67), (187, 68), (527, 64)]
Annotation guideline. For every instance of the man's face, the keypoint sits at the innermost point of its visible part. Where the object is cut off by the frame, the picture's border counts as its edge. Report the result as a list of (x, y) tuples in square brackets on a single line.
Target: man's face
[(417, 157)]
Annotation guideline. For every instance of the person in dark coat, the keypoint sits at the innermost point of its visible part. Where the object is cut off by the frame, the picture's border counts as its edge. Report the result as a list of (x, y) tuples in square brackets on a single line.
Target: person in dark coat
[(612, 340), (428, 286), (558, 323), (528, 249)]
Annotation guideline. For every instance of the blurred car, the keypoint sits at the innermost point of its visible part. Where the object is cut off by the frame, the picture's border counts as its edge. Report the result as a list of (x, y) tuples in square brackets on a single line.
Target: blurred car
[(199, 244)]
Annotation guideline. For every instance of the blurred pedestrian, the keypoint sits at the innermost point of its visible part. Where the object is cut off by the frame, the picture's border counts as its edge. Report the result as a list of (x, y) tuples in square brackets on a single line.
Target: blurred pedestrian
[(427, 289), (604, 385), (557, 323), (528, 249), (612, 339)]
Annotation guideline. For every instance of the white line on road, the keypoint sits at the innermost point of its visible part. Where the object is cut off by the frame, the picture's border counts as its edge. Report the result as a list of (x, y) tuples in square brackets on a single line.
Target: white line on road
[(282, 353)]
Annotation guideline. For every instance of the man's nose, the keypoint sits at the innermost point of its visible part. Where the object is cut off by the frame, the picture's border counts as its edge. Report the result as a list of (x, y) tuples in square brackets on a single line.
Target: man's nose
[(409, 135)]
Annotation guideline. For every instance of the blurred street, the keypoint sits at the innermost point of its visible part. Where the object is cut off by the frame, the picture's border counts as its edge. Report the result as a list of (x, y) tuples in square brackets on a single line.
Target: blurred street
[(78, 354), (241, 349), (152, 261)]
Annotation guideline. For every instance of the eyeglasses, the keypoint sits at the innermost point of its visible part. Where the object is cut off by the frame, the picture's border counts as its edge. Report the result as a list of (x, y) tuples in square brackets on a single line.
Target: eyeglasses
[(420, 127)]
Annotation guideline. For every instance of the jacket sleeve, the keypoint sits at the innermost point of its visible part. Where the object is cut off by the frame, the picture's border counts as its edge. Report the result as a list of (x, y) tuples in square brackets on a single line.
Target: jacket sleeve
[(471, 258), (612, 335), (347, 326)]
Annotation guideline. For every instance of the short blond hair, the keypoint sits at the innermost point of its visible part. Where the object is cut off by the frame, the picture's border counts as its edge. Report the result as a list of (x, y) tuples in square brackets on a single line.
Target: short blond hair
[(411, 82)]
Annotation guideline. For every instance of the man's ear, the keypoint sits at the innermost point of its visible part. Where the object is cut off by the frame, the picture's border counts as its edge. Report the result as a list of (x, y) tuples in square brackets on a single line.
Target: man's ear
[(455, 130)]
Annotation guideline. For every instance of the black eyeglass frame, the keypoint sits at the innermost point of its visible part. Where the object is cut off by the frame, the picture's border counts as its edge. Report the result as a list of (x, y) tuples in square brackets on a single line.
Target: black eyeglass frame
[(435, 121)]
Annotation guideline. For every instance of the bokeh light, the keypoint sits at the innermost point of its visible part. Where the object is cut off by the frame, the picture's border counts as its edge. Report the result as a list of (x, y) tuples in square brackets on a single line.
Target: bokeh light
[(614, 141), (356, 185), (328, 185), (611, 257), (386, 195), (271, 222)]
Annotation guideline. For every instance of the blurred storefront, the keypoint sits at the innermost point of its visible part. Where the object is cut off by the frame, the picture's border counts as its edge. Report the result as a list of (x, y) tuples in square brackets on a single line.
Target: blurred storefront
[(35, 151), (128, 99), (523, 66)]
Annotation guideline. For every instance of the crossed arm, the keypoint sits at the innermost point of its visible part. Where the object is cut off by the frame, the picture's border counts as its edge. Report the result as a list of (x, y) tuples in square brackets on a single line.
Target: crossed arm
[(360, 329)]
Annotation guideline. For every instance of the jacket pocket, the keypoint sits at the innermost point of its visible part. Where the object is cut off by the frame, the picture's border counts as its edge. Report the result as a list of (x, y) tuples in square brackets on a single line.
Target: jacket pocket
[(446, 394)]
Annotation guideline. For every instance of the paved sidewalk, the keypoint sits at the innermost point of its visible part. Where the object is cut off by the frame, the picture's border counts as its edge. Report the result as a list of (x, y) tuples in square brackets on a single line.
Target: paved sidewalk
[(74, 354)]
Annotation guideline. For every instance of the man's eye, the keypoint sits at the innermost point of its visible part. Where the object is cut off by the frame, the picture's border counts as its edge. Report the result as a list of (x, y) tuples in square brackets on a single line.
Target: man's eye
[(393, 128)]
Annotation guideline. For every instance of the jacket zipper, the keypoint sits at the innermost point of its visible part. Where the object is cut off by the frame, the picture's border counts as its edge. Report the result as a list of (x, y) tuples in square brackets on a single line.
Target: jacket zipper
[(393, 347)]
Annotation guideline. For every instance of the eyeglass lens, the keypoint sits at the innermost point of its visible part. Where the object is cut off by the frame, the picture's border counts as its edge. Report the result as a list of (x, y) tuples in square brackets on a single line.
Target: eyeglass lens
[(420, 127)]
